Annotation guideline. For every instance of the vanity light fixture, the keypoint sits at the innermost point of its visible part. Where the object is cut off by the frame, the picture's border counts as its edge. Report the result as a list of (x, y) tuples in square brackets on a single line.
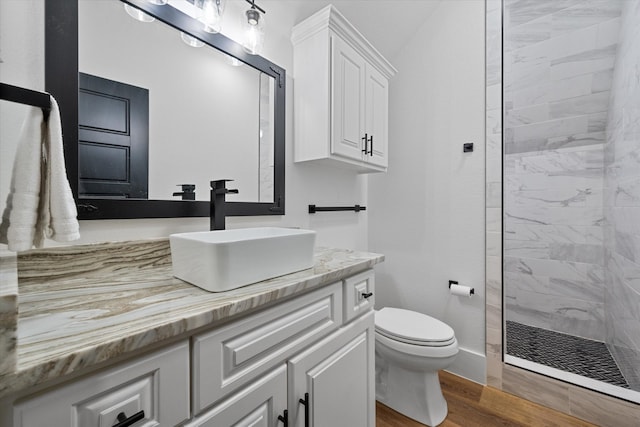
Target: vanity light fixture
[(212, 11), (158, 2), (253, 24)]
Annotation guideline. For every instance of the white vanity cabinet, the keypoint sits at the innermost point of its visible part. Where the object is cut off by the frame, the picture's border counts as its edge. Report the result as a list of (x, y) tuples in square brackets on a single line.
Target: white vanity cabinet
[(341, 94), (308, 360), (242, 370)]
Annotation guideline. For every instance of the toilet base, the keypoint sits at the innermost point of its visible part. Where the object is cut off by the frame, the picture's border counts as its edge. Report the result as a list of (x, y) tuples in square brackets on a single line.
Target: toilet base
[(415, 394)]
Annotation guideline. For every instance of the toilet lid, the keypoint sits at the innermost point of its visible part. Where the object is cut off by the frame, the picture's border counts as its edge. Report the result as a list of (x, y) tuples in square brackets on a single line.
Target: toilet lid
[(413, 327)]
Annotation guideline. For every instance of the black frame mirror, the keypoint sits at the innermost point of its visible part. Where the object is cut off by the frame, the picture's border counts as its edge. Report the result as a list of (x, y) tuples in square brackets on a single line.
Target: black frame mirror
[(61, 81)]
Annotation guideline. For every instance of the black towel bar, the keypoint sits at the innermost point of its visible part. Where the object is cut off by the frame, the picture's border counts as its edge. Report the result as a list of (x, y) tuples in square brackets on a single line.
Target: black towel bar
[(356, 208), (25, 96)]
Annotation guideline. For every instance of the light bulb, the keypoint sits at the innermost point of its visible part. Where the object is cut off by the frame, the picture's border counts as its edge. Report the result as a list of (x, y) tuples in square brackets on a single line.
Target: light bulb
[(212, 11), (253, 24), (137, 14), (190, 40)]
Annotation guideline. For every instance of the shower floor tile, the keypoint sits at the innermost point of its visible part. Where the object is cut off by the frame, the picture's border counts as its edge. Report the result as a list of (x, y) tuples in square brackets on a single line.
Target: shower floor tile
[(577, 355)]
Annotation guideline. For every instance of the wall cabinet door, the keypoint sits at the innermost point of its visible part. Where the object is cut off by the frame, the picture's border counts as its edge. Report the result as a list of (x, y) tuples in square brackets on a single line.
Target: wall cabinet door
[(337, 377), (360, 97), (348, 95), (377, 117)]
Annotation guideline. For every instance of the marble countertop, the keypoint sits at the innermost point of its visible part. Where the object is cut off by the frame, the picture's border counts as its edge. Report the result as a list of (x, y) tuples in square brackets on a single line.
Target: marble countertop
[(81, 306)]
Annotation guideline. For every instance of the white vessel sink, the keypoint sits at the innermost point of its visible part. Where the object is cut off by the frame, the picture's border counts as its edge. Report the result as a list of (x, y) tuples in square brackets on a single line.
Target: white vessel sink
[(227, 259)]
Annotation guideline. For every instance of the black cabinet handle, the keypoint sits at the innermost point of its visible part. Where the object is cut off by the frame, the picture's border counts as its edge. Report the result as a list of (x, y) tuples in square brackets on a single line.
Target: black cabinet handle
[(365, 150), (123, 421), (371, 145), (367, 295), (305, 402), (284, 418)]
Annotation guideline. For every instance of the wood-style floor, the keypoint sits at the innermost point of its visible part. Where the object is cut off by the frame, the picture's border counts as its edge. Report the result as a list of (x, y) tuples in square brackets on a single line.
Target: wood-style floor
[(473, 405)]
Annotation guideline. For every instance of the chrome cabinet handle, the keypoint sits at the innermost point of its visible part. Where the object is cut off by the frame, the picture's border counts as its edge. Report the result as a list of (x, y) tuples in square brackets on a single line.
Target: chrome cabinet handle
[(365, 150), (123, 421), (370, 145)]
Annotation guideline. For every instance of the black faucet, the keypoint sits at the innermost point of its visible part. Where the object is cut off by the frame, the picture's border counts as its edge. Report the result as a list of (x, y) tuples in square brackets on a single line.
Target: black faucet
[(217, 212), (188, 192)]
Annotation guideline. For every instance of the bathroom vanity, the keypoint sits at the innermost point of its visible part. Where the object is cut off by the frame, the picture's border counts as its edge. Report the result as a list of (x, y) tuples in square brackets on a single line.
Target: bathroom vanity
[(107, 335)]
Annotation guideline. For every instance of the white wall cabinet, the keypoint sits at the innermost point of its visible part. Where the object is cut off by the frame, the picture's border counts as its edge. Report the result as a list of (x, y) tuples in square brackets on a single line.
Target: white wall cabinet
[(341, 94), (314, 352)]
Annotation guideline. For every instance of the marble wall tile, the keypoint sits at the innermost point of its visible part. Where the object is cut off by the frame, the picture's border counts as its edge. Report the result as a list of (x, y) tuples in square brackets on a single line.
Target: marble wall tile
[(494, 369), (563, 270), (536, 388), (584, 15), (590, 254), (525, 282), (554, 233), (531, 33), (494, 244), (628, 246), (581, 216), (602, 410), (565, 197), (518, 12), (586, 104), (574, 316), (526, 249), (494, 194), (589, 290), (551, 128), (601, 81), (591, 61), (494, 220)]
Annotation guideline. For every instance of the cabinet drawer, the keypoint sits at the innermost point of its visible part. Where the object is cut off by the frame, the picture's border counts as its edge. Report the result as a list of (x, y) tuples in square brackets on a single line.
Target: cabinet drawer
[(157, 384), (358, 294), (231, 356)]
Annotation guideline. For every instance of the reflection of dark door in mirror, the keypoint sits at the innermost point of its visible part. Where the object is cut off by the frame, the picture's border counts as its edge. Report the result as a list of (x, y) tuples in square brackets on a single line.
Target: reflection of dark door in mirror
[(61, 71), (113, 150)]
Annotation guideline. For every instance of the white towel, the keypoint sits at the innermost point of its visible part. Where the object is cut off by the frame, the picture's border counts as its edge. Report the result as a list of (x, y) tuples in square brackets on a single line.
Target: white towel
[(40, 202)]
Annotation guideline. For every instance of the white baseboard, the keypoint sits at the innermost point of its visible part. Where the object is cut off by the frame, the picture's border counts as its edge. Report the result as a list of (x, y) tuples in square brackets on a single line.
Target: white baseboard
[(470, 365)]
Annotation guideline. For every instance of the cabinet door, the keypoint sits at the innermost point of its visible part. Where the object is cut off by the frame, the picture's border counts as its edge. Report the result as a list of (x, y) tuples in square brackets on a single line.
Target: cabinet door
[(338, 375), (347, 98), (258, 405), (377, 117)]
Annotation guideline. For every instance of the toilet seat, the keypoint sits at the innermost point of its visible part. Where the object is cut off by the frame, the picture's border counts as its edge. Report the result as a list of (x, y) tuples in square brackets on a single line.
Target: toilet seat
[(413, 328)]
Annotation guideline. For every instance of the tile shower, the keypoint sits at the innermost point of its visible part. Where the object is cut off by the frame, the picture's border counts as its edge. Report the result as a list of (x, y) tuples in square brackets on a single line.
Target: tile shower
[(571, 185)]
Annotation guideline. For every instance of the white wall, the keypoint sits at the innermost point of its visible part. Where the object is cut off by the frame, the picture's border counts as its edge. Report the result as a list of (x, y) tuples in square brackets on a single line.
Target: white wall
[(305, 184), (427, 213)]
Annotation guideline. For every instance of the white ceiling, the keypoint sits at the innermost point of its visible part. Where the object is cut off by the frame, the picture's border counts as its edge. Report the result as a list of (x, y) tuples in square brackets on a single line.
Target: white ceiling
[(387, 24)]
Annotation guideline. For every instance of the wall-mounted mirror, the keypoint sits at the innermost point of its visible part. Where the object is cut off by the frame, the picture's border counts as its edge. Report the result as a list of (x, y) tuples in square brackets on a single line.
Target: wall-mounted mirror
[(143, 112)]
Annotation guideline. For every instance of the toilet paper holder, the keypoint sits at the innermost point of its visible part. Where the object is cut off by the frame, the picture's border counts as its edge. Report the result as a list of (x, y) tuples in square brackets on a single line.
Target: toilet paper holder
[(455, 282)]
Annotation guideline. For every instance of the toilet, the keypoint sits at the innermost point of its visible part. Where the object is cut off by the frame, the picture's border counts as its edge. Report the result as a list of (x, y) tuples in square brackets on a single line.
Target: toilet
[(411, 348)]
